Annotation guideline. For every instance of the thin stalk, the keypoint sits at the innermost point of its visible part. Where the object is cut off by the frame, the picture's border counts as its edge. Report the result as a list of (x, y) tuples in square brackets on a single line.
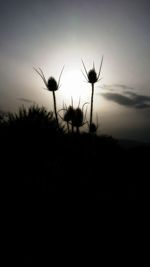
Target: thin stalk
[(68, 127), (91, 112), (55, 108), (77, 130), (72, 128)]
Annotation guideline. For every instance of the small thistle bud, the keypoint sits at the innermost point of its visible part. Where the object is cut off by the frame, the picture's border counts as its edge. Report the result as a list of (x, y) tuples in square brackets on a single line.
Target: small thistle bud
[(93, 128), (52, 84), (92, 76)]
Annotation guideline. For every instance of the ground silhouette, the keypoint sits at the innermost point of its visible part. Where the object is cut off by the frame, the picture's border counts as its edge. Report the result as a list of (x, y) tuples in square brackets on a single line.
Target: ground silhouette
[(52, 168), (73, 166)]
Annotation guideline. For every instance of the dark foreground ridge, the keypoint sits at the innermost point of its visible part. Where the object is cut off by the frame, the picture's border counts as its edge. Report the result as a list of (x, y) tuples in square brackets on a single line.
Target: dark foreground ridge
[(52, 170), (73, 167)]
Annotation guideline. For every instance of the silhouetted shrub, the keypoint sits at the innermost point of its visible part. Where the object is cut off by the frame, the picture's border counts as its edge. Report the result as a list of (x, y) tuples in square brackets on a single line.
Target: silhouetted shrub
[(32, 118), (31, 133)]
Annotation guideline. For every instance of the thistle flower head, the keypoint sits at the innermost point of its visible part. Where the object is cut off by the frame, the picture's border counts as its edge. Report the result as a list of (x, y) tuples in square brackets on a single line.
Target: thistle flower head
[(92, 76), (69, 114), (52, 85), (74, 116), (78, 118)]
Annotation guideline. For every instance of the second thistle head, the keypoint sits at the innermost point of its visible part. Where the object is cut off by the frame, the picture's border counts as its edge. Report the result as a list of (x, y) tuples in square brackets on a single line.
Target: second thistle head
[(69, 114), (78, 118), (92, 76)]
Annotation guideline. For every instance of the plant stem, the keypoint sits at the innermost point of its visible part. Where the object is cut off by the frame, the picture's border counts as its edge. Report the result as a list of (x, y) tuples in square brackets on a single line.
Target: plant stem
[(91, 113), (72, 128), (55, 108), (68, 127), (77, 130)]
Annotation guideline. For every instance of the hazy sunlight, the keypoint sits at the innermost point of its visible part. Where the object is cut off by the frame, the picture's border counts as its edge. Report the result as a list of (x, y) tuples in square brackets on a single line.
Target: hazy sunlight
[(74, 85)]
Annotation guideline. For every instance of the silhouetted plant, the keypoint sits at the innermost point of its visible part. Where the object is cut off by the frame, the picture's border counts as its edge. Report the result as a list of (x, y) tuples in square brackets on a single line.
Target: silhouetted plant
[(2, 117), (77, 120), (52, 85), (34, 117), (93, 128), (68, 116), (74, 117), (92, 77)]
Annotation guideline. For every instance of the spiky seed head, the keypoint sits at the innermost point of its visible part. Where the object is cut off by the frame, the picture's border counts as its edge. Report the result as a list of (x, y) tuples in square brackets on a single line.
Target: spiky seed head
[(93, 128), (74, 116), (92, 76), (69, 114), (71, 111), (66, 117), (52, 84), (78, 119)]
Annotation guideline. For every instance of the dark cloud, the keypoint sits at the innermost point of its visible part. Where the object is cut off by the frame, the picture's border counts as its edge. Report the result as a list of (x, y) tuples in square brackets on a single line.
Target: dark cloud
[(129, 99), (123, 86), (26, 100), (112, 87)]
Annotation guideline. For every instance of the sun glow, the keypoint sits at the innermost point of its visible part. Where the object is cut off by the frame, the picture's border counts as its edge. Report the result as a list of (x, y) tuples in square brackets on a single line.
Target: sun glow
[(74, 86)]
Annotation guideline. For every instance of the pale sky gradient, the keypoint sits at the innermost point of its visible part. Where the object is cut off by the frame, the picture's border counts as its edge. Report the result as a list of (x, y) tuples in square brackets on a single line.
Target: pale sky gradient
[(50, 34)]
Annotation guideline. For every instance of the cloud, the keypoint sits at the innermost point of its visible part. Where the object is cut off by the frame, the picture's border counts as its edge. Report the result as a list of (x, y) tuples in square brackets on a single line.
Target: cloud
[(26, 100), (123, 86), (111, 87), (129, 99)]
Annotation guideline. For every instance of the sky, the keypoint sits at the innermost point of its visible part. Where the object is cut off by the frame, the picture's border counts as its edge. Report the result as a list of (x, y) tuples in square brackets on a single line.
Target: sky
[(51, 34)]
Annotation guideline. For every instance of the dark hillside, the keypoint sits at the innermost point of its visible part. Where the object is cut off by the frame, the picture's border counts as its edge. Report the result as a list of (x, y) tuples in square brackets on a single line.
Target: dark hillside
[(73, 166)]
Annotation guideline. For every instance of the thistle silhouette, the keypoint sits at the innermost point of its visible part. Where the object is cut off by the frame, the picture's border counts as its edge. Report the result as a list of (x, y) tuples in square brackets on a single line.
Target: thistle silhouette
[(52, 85), (74, 116), (92, 77), (68, 116)]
